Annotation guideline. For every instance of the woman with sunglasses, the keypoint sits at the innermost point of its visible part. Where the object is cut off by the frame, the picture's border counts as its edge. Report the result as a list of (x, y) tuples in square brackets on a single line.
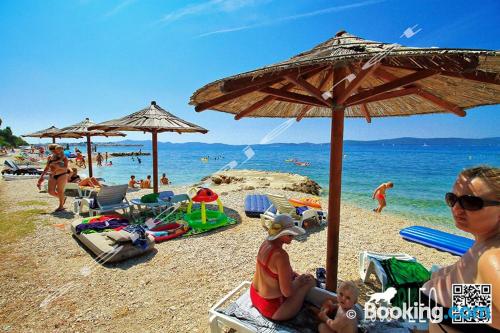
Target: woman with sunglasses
[(57, 168), (475, 206), (277, 291)]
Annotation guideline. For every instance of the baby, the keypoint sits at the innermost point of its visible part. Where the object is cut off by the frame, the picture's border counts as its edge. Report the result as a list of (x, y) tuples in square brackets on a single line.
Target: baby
[(345, 319)]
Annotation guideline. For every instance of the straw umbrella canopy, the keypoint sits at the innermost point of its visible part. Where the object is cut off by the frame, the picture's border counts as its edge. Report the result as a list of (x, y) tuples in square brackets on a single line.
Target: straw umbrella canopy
[(152, 119), (347, 76), (51, 132), (82, 129)]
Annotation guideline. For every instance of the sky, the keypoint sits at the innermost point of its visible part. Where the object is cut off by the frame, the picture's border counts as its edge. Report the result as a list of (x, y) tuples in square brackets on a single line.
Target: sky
[(64, 60)]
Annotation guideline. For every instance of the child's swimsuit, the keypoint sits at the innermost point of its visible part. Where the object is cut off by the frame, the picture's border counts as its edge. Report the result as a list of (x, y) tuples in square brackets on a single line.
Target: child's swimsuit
[(381, 196), (266, 306)]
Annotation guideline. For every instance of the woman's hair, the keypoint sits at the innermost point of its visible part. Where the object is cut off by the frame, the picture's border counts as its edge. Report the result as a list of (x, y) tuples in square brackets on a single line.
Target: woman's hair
[(490, 175), (53, 146)]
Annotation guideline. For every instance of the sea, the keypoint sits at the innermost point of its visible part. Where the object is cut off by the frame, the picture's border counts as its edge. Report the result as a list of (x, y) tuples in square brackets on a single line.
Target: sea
[(422, 170)]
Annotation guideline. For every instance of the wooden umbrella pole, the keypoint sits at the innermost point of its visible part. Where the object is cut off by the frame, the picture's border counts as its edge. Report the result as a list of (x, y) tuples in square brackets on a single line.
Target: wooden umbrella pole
[(89, 155), (53, 140), (335, 186), (155, 161)]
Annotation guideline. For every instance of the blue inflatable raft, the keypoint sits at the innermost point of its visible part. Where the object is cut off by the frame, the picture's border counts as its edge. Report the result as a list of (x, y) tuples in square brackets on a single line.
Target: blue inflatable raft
[(444, 241)]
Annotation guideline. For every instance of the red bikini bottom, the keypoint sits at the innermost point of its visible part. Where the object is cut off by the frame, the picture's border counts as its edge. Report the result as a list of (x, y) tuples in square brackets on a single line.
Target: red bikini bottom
[(267, 307)]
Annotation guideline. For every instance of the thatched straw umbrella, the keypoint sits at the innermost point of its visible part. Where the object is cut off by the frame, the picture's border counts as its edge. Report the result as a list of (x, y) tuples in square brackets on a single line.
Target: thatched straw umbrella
[(82, 129), (347, 76), (51, 132), (152, 119)]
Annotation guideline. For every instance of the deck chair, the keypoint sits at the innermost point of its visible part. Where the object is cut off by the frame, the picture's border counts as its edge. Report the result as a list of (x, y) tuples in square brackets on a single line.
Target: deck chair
[(108, 199), (283, 206), (369, 263), (241, 316)]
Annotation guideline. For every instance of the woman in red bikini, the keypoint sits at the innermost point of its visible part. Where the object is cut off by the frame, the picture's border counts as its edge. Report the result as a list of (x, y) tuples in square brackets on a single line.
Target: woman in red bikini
[(277, 291), (379, 194)]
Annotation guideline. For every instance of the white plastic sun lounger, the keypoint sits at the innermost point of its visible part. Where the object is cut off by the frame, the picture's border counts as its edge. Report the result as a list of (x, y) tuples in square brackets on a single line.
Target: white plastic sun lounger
[(369, 263), (283, 206), (220, 322)]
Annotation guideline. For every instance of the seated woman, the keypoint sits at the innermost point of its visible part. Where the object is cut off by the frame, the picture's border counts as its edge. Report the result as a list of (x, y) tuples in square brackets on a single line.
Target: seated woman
[(89, 181), (277, 291), (475, 207), (74, 177)]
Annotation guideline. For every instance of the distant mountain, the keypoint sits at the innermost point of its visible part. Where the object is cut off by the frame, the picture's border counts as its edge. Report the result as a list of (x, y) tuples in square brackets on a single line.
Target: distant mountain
[(430, 142), (495, 141)]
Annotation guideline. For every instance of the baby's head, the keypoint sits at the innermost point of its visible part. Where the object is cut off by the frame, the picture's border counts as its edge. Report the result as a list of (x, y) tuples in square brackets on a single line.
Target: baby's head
[(347, 295)]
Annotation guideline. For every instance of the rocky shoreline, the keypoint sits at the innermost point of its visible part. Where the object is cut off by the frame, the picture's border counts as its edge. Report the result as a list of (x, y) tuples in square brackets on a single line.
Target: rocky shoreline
[(248, 180)]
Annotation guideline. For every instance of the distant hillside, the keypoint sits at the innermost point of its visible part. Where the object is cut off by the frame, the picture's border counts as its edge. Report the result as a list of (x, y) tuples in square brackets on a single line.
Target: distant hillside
[(7, 138), (495, 141), (432, 141)]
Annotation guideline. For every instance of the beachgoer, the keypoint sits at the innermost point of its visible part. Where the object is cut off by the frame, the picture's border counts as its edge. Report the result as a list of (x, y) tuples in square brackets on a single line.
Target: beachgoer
[(80, 160), (146, 183), (89, 181), (139, 159), (57, 167), (132, 182), (106, 157), (99, 159), (73, 176), (379, 194), (475, 207), (347, 296), (164, 179), (110, 163), (277, 291)]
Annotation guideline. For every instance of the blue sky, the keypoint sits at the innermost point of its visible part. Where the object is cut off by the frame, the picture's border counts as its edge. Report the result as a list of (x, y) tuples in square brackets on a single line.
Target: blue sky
[(62, 61)]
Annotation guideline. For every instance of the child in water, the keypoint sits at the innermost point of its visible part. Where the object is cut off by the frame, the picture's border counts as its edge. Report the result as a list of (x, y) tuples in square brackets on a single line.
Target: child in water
[(343, 307), (379, 194)]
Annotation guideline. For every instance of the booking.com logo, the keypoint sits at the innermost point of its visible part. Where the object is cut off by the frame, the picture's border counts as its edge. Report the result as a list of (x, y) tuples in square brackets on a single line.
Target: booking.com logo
[(378, 307)]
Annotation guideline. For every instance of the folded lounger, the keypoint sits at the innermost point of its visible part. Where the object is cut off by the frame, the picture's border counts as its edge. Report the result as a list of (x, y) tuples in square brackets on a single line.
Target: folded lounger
[(369, 263), (108, 250), (256, 204), (441, 240), (241, 316)]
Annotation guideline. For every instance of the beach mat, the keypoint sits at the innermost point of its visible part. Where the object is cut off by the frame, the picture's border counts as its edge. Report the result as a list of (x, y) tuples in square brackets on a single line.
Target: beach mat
[(256, 204), (440, 240)]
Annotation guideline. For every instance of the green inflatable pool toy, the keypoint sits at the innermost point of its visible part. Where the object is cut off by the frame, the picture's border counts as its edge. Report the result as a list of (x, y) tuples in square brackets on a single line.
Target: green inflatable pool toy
[(214, 220)]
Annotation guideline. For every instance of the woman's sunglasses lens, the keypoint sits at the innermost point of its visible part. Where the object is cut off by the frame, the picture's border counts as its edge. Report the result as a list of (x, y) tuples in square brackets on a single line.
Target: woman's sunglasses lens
[(451, 199), (471, 203)]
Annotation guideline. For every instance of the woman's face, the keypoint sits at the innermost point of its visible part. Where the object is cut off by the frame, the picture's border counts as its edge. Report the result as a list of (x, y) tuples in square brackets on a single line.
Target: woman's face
[(286, 239), (479, 222)]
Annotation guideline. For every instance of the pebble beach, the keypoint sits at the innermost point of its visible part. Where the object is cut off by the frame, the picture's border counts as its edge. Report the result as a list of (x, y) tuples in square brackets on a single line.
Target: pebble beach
[(51, 283)]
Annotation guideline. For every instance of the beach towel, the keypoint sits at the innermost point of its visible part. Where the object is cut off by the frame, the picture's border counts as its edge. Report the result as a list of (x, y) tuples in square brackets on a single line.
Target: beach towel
[(102, 226), (407, 277), (150, 198), (304, 322)]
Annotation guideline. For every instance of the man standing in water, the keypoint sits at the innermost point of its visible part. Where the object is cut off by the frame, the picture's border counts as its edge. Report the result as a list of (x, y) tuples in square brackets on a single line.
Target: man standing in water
[(379, 194)]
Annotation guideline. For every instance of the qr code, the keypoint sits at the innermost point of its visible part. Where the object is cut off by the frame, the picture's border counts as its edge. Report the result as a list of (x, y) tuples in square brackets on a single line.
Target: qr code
[(471, 303)]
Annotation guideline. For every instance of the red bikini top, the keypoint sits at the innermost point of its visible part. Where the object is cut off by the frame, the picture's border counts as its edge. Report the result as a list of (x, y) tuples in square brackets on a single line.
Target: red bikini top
[(265, 266)]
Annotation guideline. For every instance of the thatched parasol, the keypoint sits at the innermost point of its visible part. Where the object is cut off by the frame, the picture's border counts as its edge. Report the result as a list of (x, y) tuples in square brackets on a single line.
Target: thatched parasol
[(152, 119), (51, 132), (347, 76), (82, 129)]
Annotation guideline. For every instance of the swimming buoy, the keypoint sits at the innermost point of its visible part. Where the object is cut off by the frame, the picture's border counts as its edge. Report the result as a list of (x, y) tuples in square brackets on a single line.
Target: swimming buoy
[(309, 202)]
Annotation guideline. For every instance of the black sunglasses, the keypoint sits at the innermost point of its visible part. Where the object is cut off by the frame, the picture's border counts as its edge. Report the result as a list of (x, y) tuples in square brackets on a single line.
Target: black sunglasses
[(468, 202)]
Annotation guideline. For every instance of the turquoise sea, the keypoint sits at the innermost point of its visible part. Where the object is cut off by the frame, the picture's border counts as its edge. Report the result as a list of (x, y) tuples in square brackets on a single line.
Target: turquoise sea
[(422, 171)]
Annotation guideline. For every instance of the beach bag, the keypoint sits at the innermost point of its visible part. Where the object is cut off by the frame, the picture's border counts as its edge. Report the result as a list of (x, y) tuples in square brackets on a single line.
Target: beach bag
[(407, 277), (150, 198)]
